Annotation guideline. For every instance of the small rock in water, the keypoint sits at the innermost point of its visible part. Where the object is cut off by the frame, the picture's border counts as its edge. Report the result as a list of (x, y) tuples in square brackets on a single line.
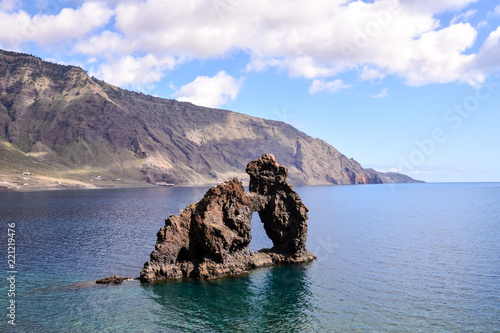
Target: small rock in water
[(112, 280)]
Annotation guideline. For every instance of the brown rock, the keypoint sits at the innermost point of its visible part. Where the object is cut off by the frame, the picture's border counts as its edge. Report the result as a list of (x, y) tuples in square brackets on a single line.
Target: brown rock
[(210, 239), (282, 211), (112, 280), (204, 240)]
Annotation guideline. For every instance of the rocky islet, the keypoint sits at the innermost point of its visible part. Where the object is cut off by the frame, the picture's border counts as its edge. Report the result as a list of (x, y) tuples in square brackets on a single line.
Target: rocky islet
[(210, 239)]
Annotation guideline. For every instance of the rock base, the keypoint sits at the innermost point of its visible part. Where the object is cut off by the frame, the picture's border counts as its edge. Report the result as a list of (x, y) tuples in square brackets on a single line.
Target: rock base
[(238, 264)]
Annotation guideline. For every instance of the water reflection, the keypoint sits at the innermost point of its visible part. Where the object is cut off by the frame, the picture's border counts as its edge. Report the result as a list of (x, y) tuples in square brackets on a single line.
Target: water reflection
[(269, 299)]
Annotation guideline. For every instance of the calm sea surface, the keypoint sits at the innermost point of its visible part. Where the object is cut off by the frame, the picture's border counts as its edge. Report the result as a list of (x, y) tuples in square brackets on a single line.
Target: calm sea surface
[(391, 258)]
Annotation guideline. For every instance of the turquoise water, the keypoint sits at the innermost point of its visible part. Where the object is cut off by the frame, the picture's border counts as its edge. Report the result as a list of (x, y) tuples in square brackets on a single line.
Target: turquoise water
[(392, 258)]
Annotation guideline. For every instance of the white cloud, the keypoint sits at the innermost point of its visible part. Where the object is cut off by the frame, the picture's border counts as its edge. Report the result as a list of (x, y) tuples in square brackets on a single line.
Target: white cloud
[(208, 91), (328, 86), (487, 58), (463, 17), (317, 40), (383, 93), (438, 57), (9, 5), (305, 66), (137, 72), (369, 74), (19, 27), (106, 44), (258, 63)]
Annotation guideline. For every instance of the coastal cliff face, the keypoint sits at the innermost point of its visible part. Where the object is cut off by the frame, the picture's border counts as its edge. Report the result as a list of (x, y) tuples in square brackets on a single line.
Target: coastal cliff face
[(211, 238), (68, 129)]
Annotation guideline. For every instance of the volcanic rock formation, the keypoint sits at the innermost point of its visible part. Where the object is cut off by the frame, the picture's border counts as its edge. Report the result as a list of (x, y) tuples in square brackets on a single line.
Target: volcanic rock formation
[(210, 238)]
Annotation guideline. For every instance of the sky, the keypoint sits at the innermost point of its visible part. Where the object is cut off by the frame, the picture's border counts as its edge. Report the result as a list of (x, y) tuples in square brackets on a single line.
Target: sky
[(398, 85)]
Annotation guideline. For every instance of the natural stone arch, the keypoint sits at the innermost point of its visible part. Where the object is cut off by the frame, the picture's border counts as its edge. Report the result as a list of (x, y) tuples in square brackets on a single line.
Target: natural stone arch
[(210, 238)]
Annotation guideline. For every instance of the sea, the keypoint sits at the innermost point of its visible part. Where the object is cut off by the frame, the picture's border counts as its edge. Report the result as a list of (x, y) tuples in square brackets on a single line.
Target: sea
[(391, 258)]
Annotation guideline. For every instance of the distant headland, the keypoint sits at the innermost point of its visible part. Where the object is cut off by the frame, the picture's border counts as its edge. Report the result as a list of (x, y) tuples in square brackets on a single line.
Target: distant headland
[(61, 128)]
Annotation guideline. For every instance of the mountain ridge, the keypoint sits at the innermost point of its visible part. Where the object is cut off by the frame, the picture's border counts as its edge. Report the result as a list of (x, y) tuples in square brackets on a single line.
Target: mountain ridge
[(74, 130)]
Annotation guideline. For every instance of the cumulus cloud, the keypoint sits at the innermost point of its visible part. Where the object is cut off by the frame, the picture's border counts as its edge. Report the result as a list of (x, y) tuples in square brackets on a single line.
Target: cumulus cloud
[(208, 91), (9, 5), (138, 72), (487, 58), (438, 57), (18, 27), (317, 41), (328, 86), (106, 44)]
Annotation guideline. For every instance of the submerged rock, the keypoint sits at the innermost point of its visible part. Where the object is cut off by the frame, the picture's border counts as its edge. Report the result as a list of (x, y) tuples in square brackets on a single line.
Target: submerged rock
[(113, 280), (210, 238)]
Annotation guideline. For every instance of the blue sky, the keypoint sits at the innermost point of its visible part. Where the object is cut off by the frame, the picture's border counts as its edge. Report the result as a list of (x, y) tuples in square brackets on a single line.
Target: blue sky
[(407, 86)]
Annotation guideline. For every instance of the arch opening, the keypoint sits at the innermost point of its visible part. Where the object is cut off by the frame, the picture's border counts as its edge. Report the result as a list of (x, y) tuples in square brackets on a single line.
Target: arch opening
[(259, 237)]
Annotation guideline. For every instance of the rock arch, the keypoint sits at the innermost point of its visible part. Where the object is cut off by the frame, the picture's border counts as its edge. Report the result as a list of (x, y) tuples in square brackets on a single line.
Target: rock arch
[(210, 238)]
